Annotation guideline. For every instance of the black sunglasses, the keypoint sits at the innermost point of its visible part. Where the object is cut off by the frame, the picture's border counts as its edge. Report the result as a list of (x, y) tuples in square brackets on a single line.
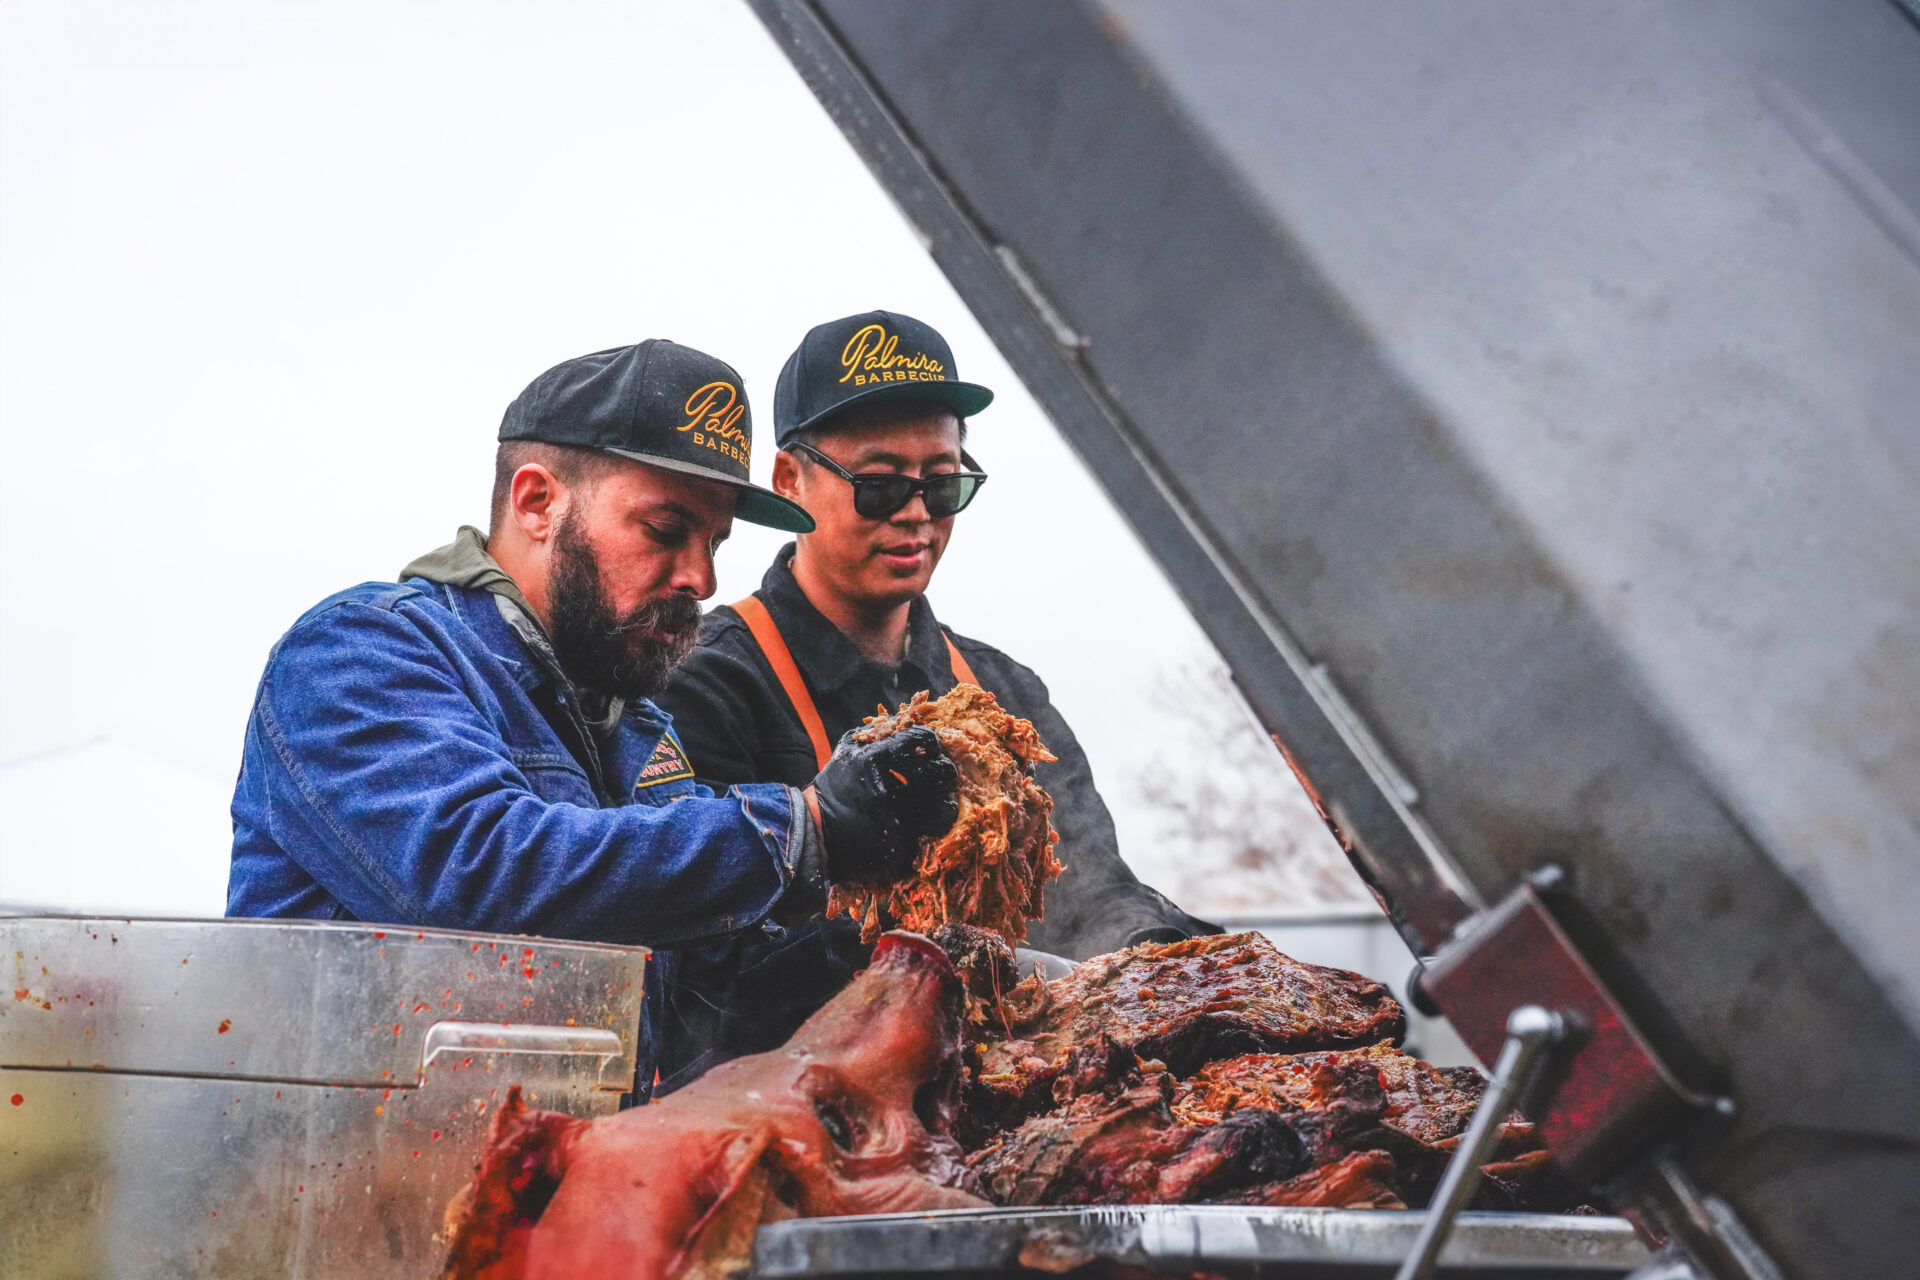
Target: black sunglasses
[(878, 494)]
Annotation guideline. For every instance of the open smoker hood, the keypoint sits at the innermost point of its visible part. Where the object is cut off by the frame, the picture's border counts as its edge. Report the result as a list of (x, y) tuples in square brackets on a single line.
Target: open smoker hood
[(1525, 399)]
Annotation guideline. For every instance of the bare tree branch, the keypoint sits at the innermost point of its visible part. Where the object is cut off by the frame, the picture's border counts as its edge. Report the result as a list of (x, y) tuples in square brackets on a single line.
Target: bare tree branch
[(1246, 836)]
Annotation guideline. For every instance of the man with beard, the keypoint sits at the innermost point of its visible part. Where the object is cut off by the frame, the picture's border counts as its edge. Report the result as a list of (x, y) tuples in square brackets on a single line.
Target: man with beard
[(474, 747), (870, 419)]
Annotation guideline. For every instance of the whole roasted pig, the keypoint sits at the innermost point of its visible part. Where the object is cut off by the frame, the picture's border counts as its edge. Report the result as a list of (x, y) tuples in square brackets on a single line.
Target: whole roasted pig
[(849, 1116)]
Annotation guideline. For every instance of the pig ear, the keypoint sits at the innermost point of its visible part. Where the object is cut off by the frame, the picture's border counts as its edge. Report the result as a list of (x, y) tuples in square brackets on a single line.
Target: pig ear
[(737, 1192), (518, 1173)]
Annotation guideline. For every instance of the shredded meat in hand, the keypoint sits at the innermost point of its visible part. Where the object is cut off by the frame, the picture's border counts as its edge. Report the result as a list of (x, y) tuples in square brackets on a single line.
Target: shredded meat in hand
[(991, 868)]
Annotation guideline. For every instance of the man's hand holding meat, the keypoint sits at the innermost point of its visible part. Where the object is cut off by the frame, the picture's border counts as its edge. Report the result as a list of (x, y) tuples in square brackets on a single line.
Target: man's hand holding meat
[(870, 808), (878, 800)]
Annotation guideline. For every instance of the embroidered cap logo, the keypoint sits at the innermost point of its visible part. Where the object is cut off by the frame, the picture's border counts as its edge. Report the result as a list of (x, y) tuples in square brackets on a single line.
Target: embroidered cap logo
[(713, 415), (872, 355)]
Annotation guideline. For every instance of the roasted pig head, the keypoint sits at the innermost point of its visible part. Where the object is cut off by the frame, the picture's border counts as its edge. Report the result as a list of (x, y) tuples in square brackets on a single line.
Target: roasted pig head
[(849, 1116)]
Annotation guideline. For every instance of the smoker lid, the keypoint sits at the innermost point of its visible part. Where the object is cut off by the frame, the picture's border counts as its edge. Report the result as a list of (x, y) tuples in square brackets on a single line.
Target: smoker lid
[(1523, 399)]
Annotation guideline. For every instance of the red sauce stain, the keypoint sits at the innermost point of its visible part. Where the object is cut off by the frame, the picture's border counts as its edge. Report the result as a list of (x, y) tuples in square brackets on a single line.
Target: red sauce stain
[(21, 993), (416, 1155), (379, 935), (527, 970), (396, 1028), (526, 951), (436, 1133), (476, 946), (422, 1007), (226, 1025), (215, 1213), (469, 975), (503, 959), (17, 1099), (276, 1093), (301, 1190)]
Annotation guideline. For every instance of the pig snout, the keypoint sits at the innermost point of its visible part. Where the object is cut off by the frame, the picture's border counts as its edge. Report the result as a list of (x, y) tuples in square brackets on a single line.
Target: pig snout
[(901, 1017), (899, 949)]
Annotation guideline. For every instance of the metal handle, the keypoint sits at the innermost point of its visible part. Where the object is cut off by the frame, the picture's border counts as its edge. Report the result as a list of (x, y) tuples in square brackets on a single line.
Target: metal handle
[(516, 1038), (1530, 1031)]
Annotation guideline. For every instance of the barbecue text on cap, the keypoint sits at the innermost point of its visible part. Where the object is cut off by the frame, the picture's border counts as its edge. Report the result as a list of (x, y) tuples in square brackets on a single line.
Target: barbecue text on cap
[(878, 355), (659, 403)]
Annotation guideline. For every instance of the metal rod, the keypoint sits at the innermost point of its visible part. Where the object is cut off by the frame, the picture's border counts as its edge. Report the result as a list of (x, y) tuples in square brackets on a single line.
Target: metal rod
[(1530, 1030)]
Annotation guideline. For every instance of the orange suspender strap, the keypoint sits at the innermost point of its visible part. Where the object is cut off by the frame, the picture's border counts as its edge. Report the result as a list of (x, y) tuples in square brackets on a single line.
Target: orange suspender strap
[(961, 671), (774, 645), (780, 658)]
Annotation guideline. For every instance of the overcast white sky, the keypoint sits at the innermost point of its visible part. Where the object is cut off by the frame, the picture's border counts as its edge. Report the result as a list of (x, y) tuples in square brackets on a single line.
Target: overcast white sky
[(270, 273)]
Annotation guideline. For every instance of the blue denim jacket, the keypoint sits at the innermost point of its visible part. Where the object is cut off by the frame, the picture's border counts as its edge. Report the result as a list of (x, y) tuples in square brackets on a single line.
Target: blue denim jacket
[(409, 761)]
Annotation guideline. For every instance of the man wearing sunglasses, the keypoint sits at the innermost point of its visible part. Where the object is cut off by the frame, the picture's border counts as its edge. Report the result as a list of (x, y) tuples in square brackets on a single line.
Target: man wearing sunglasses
[(869, 415)]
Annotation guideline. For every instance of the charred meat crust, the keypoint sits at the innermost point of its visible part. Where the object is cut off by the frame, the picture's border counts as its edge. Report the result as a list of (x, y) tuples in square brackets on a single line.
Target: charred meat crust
[(1124, 1083), (1184, 1004)]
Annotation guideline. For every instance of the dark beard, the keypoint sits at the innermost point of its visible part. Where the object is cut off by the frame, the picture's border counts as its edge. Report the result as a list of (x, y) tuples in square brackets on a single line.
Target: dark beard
[(600, 650)]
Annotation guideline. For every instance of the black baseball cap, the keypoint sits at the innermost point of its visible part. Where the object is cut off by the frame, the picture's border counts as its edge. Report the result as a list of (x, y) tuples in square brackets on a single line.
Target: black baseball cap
[(659, 403), (876, 355)]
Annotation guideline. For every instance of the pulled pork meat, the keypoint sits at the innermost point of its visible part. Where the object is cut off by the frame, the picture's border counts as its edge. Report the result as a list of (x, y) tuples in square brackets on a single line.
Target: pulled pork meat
[(850, 1116), (1424, 1103), (1124, 1147), (1183, 1004), (1421, 1116), (1127, 1083), (991, 868), (987, 970)]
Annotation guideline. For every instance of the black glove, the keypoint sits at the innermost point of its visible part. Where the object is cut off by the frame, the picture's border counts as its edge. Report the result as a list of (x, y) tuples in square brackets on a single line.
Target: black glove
[(877, 799)]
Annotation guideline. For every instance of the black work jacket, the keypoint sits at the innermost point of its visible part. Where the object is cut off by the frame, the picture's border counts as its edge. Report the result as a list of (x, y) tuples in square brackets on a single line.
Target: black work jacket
[(738, 725)]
